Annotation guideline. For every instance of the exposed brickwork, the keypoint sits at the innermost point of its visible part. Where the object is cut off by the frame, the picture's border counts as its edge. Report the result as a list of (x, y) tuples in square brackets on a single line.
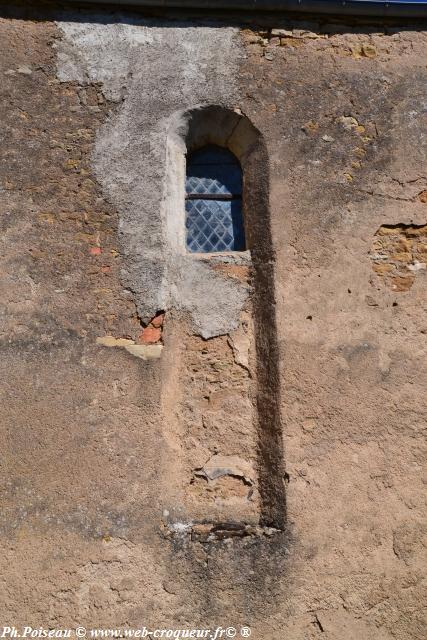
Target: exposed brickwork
[(362, 43), (152, 333), (399, 254), (158, 320)]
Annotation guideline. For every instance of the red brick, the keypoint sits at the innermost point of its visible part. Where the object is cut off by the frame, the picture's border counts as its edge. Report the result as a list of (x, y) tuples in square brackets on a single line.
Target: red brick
[(150, 335), (157, 321)]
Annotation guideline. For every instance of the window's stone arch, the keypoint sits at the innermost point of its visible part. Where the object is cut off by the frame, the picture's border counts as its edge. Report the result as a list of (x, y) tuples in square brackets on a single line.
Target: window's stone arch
[(231, 129)]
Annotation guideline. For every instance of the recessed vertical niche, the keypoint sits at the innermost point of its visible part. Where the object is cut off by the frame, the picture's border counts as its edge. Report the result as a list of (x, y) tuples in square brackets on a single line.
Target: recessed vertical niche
[(208, 132)]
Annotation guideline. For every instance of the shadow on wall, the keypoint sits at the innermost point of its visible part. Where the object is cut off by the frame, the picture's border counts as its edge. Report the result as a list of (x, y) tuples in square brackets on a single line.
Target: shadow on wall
[(122, 13), (231, 129)]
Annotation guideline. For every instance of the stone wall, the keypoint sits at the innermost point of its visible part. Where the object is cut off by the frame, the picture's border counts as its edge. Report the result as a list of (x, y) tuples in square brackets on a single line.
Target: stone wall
[(228, 441)]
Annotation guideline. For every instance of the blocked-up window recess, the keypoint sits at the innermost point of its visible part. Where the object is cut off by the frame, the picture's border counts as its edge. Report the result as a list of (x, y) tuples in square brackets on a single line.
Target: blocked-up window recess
[(214, 219), (228, 368)]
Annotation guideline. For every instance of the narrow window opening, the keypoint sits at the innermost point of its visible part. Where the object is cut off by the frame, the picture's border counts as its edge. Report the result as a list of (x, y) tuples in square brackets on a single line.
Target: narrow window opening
[(214, 217)]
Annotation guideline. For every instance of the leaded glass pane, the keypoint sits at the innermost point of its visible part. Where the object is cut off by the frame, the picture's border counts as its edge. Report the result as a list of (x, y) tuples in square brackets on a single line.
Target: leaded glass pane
[(214, 225), (214, 220), (225, 179)]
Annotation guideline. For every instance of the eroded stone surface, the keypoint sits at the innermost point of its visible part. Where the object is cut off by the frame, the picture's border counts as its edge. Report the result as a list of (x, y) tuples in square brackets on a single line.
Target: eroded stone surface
[(398, 253)]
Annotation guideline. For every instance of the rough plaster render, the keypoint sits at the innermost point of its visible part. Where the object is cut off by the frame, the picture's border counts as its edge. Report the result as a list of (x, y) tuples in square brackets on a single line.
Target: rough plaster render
[(155, 72), (217, 440)]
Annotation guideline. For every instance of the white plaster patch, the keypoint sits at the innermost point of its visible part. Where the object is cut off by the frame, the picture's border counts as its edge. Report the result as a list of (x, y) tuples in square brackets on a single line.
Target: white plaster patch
[(109, 59), (155, 69)]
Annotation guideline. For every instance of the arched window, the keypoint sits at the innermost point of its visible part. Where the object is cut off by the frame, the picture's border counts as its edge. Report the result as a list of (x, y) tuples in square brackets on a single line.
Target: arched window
[(214, 219)]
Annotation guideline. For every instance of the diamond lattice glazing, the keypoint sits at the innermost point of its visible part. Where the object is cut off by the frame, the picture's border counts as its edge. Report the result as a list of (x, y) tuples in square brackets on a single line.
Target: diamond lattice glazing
[(214, 225), (214, 220)]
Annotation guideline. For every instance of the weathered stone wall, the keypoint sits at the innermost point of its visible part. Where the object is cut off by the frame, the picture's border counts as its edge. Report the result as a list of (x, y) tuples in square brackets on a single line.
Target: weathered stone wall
[(343, 118), (146, 395)]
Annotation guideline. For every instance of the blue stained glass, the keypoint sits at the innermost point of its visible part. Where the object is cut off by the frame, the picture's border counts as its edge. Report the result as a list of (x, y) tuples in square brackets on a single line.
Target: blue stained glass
[(211, 179), (214, 220), (214, 225), (214, 155)]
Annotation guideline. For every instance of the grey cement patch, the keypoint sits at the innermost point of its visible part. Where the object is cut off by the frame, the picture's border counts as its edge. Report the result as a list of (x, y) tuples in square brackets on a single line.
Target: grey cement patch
[(155, 70)]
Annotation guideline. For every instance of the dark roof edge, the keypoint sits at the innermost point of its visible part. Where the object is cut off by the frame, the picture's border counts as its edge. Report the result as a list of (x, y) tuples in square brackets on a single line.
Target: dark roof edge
[(391, 8)]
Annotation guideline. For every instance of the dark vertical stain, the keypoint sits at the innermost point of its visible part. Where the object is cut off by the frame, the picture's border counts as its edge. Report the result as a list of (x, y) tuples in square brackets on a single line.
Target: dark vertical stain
[(270, 442)]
